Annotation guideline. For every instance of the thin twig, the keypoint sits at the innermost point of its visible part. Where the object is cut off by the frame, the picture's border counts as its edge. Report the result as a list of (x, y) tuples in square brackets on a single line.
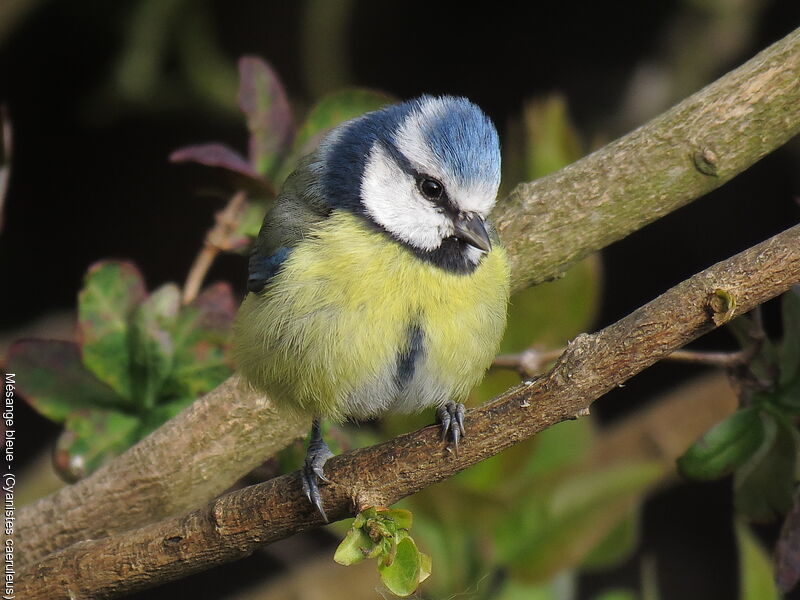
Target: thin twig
[(218, 238), (527, 363), (724, 360), (236, 524)]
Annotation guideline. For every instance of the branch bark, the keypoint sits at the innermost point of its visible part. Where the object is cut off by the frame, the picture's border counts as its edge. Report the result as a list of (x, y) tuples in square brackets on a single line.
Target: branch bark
[(203, 451), (677, 157), (234, 525)]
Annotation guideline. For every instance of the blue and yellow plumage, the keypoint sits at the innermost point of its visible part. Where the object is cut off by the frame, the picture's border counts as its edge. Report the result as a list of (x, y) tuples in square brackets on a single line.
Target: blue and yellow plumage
[(374, 284)]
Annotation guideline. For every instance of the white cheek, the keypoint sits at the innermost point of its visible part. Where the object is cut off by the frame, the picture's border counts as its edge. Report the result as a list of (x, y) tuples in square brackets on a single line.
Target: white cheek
[(391, 198)]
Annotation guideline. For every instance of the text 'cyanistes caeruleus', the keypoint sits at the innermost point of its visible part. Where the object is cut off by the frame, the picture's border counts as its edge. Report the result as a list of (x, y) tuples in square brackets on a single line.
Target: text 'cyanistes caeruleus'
[(374, 283)]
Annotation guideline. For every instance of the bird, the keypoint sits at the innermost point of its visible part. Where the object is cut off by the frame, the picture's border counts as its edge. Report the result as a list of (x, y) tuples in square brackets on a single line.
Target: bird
[(376, 283)]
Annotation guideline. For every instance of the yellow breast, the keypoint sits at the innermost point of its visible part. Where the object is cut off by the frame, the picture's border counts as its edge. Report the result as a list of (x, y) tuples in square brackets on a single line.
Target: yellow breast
[(328, 332)]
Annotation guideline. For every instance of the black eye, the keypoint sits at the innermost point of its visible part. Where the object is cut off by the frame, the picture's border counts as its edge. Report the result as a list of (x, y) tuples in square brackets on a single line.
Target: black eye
[(431, 189)]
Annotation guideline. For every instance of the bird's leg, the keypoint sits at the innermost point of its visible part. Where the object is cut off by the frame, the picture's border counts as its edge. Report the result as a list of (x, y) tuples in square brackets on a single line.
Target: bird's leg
[(316, 456), (451, 416)]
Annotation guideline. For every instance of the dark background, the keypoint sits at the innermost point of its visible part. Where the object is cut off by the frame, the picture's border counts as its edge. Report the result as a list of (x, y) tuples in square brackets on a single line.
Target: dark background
[(91, 179)]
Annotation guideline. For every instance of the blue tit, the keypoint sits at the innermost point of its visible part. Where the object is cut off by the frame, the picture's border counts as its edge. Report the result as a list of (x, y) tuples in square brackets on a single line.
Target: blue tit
[(376, 283)]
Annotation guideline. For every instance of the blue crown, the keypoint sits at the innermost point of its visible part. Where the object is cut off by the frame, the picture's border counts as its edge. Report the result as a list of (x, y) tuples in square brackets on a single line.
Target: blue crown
[(461, 137)]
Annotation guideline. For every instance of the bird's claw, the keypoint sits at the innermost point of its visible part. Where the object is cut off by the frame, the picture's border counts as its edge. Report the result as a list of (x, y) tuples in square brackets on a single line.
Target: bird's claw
[(317, 455), (451, 416)]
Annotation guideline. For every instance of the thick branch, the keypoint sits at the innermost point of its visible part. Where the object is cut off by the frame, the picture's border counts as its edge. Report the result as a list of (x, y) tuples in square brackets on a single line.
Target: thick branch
[(722, 129), (234, 525), (202, 451), (677, 157)]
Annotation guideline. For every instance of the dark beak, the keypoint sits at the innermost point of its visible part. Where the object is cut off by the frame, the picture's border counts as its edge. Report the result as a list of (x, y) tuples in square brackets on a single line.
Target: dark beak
[(470, 229)]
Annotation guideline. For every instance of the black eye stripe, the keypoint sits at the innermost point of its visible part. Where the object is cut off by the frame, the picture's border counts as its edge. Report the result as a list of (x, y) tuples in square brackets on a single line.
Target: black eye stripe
[(443, 201)]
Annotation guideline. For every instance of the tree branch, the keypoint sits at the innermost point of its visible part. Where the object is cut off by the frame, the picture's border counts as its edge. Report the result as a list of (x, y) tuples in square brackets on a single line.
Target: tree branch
[(677, 157), (223, 435), (234, 525), (545, 225)]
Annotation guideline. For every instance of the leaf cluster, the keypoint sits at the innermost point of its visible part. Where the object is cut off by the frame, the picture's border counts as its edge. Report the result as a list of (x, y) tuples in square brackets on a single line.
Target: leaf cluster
[(382, 533), (760, 443), (140, 358)]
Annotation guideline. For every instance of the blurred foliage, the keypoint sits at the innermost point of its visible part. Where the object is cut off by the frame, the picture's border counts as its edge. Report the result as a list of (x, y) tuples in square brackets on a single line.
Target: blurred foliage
[(760, 446), (170, 50), (756, 578), (760, 443), (275, 145), (138, 361)]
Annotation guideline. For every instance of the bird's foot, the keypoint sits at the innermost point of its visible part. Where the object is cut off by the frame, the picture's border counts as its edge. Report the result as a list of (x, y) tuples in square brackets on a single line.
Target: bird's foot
[(451, 416), (317, 455)]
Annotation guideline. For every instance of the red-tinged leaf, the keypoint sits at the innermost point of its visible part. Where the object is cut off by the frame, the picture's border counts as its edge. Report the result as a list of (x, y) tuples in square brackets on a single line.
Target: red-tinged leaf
[(51, 377), (111, 292), (217, 307), (264, 103), (787, 550), (214, 155), (219, 156), (326, 114)]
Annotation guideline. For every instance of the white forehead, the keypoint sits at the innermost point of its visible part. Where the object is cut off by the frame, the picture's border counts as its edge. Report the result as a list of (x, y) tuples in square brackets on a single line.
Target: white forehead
[(411, 139)]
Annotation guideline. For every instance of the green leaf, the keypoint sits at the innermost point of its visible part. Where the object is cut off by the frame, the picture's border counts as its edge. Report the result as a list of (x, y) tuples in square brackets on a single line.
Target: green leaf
[(111, 292), (90, 438), (545, 535), (251, 220), (354, 548), (402, 576), (425, 566), (553, 141), (158, 415), (787, 550), (617, 595), (153, 347), (618, 545), (790, 349), (330, 111), (755, 569), (764, 485), (53, 380), (201, 338), (401, 517), (264, 103), (562, 587), (725, 446)]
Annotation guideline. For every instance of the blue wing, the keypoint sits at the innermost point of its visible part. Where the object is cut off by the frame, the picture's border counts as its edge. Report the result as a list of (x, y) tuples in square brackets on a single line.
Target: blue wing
[(262, 268)]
